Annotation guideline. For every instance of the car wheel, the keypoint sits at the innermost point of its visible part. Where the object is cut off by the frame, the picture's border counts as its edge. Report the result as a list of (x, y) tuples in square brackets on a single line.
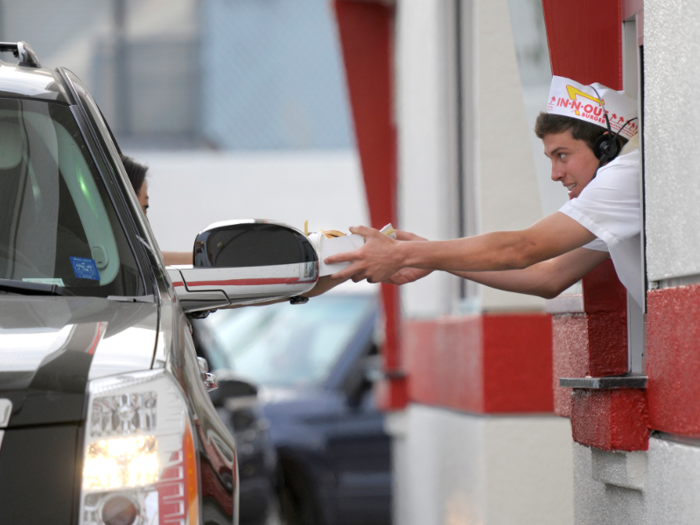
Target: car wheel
[(297, 503)]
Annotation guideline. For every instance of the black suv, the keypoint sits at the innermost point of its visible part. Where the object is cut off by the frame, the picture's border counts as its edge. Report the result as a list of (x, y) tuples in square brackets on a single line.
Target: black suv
[(104, 412)]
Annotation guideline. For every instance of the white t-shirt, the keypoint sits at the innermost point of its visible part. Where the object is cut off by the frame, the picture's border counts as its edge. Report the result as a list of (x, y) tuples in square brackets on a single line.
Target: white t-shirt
[(609, 207)]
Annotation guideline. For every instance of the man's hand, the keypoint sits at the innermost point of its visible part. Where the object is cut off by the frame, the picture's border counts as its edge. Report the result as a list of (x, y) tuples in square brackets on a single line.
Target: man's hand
[(381, 257), (376, 261), (407, 275), (322, 286), (408, 236)]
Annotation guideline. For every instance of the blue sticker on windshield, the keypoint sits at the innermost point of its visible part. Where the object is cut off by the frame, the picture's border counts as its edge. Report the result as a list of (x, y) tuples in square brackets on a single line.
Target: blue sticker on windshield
[(84, 268)]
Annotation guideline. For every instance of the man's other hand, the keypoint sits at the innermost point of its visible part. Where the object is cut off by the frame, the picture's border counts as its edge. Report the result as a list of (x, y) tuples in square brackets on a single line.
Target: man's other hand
[(376, 261)]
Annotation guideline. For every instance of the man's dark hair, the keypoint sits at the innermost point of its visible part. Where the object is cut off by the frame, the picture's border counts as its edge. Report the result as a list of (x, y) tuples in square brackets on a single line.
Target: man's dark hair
[(547, 124), (135, 171)]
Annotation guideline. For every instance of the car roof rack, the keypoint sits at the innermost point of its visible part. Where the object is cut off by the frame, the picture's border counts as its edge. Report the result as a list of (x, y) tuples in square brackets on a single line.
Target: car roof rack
[(23, 52)]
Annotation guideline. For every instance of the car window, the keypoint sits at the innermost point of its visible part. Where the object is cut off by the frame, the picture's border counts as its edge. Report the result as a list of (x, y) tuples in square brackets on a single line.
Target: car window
[(282, 345), (57, 224), (112, 152)]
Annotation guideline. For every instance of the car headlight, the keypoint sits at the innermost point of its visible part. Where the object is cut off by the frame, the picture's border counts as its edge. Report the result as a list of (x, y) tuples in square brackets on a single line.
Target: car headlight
[(139, 461)]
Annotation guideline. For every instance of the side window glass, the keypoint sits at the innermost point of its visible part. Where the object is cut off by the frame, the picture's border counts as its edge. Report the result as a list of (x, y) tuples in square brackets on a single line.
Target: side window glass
[(107, 138)]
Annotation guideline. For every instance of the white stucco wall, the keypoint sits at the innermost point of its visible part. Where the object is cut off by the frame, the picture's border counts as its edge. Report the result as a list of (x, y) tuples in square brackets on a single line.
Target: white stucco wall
[(456, 468), (671, 137), (644, 488), (508, 193), (190, 190), (502, 193), (427, 203)]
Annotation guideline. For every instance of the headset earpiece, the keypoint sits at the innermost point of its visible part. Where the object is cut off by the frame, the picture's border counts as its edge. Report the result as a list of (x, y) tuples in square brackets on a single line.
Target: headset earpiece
[(607, 147)]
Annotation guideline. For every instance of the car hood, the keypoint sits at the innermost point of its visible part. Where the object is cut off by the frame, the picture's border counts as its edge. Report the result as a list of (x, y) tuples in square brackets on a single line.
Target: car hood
[(51, 346)]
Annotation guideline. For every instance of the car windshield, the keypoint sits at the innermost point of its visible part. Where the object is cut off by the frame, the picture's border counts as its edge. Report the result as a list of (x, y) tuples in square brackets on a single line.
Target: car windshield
[(57, 223), (281, 345)]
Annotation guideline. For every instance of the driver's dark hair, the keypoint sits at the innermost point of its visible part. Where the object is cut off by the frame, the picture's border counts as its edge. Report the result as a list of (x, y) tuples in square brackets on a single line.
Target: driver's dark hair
[(135, 171), (547, 124)]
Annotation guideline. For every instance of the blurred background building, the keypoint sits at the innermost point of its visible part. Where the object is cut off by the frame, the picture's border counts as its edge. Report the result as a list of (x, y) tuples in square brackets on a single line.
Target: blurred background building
[(239, 107), (234, 75)]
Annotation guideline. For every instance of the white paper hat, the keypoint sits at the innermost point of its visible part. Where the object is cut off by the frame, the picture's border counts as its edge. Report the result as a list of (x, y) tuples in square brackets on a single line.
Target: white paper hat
[(571, 99)]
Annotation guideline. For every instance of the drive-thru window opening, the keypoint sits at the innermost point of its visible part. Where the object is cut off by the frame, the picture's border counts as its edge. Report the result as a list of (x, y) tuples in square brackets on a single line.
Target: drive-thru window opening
[(633, 85)]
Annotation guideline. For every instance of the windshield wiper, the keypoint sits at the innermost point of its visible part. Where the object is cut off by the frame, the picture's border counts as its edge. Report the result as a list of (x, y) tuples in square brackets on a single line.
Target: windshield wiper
[(27, 288)]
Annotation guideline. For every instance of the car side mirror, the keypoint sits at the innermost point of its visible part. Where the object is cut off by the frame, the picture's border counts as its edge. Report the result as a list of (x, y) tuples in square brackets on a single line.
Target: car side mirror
[(238, 263)]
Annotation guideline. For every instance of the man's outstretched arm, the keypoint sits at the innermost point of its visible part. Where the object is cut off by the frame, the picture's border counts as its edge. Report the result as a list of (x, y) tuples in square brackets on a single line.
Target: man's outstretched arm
[(546, 279), (382, 257)]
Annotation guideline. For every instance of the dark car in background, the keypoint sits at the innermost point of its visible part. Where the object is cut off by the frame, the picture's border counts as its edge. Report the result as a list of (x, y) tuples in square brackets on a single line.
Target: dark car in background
[(237, 403), (314, 365), (105, 417)]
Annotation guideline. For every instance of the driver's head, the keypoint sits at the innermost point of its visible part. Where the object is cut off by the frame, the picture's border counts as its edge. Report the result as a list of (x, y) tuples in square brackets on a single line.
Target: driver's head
[(574, 121), (137, 176)]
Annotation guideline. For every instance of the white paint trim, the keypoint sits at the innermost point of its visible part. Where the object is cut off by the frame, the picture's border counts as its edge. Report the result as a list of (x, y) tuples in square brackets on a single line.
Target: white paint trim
[(565, 304), (673, 282)]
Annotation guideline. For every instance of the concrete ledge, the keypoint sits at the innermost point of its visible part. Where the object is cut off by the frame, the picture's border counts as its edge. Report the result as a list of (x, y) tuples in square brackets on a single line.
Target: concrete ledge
[(624, 469)]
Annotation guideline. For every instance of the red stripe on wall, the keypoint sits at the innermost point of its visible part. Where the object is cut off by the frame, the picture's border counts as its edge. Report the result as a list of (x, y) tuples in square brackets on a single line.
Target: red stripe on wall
[(482, 363), (610, 419)]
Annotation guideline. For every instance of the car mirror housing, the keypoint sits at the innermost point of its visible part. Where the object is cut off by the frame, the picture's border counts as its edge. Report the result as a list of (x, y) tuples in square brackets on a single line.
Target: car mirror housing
[(245, 262), (231, 386)]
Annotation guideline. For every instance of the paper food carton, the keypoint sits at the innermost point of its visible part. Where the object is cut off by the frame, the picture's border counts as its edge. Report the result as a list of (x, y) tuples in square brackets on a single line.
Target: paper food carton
[(332, 242)]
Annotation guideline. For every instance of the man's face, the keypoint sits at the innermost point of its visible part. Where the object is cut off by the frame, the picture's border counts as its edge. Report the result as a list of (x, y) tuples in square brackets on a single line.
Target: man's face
[(573, 162)]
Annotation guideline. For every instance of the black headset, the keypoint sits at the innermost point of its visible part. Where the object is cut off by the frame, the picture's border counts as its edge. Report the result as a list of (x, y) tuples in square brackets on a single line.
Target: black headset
[(608, 145)]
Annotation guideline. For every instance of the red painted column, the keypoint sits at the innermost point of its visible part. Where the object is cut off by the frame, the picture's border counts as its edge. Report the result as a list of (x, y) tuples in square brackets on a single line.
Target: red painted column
[(585, 44), (585, 40), (605, 302), (366, 36)]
